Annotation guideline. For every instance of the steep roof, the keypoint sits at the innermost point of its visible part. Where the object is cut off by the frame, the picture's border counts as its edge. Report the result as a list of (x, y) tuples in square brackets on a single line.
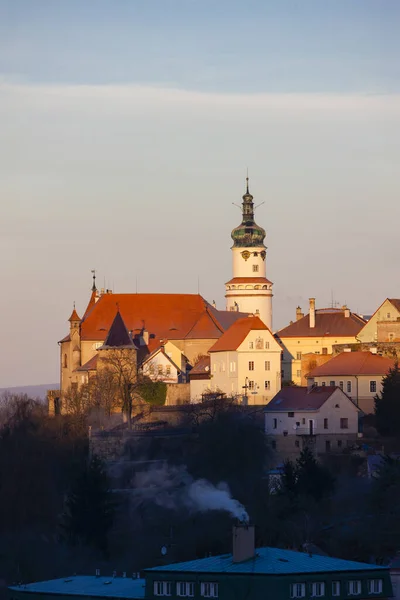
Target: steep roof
[(201, 369), (91, 303), (237, 332), (118, 335), (166, 316), (296, 398), (329, 322), (269, 561), (353, 363), (395, 302), (74, 316)]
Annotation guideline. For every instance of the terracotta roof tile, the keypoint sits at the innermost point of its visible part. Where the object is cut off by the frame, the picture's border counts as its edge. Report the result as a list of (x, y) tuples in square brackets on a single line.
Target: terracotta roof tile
[(90, 365), (328, 323), (295, 398), (202, 366), (237, 332), (92, 302), (395, 302), (353, 363), (248, 280), (74, 316)]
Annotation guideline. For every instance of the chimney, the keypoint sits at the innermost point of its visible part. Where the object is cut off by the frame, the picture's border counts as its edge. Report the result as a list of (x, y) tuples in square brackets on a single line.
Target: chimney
[(299, 314), (145, 336), (214, 304), (374, 350), (346, 312), (312, 313), (243, 543)]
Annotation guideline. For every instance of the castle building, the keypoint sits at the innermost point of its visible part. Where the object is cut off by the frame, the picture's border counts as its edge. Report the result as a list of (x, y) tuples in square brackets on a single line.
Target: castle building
[(249, 290)]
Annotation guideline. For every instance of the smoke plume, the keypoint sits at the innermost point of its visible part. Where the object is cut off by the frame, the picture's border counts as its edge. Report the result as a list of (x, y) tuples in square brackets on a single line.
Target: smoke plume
[(175, 488)]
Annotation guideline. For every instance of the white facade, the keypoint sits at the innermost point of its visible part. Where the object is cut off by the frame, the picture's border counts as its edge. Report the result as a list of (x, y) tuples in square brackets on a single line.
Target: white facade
[(337, 416), (159, 367), (253, 370), (249, 290)]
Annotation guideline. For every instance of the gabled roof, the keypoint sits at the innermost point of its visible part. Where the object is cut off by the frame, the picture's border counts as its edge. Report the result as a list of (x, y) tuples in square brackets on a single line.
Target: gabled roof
[(296, 398), (118, 336), (225, 318), (90, 365), (161, 350), (353, 363), (202, 367), (329, 322), (395, 302), (166, 316), (269, 561), (237, 332)]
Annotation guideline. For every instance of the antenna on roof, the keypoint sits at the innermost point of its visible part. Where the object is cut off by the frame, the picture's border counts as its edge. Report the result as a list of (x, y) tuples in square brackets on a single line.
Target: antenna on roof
[(136, 283)]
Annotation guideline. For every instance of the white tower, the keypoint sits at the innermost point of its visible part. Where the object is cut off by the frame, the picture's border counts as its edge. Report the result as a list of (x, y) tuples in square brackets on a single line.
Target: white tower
[(249, 290)]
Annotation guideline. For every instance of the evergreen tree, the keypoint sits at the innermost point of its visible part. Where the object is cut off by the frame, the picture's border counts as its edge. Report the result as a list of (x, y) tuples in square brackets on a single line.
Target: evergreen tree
[(387, 404), (313, 479), (89, 507)]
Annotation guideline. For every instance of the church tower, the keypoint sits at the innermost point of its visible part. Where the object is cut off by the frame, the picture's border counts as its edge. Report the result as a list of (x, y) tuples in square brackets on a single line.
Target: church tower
[(249, 290)]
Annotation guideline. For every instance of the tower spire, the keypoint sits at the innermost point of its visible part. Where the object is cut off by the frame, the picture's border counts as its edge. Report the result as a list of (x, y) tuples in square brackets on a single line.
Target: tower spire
[(247, 180), (94, 288)]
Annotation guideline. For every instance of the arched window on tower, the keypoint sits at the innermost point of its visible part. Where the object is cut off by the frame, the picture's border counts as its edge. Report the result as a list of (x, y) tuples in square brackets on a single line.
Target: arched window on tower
[(65, 363), (264, 287), (257, 287)]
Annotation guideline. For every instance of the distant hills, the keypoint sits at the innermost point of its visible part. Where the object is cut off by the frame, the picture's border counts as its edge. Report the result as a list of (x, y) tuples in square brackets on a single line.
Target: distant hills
[(33, 391)]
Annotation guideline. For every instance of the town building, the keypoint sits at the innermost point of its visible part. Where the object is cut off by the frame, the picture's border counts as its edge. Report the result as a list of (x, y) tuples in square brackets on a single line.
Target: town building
[(245, 574), (249, 290), (324, 418), (358, 374), (246, 362), (384, 325), (315, 333), (200, 379)]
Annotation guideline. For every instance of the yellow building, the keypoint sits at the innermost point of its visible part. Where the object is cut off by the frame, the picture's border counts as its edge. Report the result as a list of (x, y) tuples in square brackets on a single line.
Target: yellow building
[(384, 325), (315, 333)]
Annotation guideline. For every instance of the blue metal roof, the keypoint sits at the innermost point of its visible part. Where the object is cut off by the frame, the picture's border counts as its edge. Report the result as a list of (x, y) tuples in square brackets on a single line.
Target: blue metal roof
[(268, 561), (88, 585)]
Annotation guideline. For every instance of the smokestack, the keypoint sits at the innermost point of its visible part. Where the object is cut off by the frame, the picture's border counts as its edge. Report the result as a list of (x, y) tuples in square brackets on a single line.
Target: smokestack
[(145, 336), (312, 313), (243, 547), (346, 311), (299, 314)]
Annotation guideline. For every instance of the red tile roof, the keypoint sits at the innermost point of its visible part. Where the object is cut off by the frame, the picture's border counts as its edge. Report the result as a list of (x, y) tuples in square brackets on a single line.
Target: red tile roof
[(353, 363), (295, 398), (202, 366), (248, 280), (165, 316), (329, 322), (90, 365), (237, 332), (74, 316), (395, 302), (91, 303)]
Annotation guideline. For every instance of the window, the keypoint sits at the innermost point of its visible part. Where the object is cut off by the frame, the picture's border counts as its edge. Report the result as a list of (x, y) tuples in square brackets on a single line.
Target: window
[(297, 444), (298, 372), (65, 361), (275, 424), (255, 268), (209, 590), (297, 590), (251, 345), (267, 385), (354, 587), (348, 387), (232, 367), (185, 588), (344, 423), (323, 383), (250, 383), (341, 385), (267, 345), (298, 356), (388, 315), (267, 365), (325, 423), (318, 589), (335, 588), (162, 588), (168, 370), (160, 369), (391, 337), (324, 350), (223, 367), (374, 586), (332, 383), (372, 386), (339, 443), (152, 369), (290, 414), (214, 368), (303, 421), (251, 365)]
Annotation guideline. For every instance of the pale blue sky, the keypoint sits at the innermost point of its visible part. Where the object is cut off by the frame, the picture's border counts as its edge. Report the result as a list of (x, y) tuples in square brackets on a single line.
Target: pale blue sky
[(126, 130)]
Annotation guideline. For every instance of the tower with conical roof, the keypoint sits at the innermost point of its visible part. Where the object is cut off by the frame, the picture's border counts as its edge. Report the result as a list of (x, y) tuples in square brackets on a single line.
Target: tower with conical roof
[(249, 290)]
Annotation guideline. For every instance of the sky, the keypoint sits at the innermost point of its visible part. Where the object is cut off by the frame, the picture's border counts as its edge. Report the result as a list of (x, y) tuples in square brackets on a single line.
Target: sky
[(127, 126)]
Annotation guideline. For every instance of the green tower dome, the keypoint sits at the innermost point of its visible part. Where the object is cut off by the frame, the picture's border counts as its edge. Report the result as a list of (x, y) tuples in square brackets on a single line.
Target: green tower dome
[(248, 234)]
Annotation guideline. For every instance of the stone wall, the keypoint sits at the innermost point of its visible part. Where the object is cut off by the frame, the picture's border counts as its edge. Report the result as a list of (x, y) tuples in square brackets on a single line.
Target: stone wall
[(177, 394), (388, 349)]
